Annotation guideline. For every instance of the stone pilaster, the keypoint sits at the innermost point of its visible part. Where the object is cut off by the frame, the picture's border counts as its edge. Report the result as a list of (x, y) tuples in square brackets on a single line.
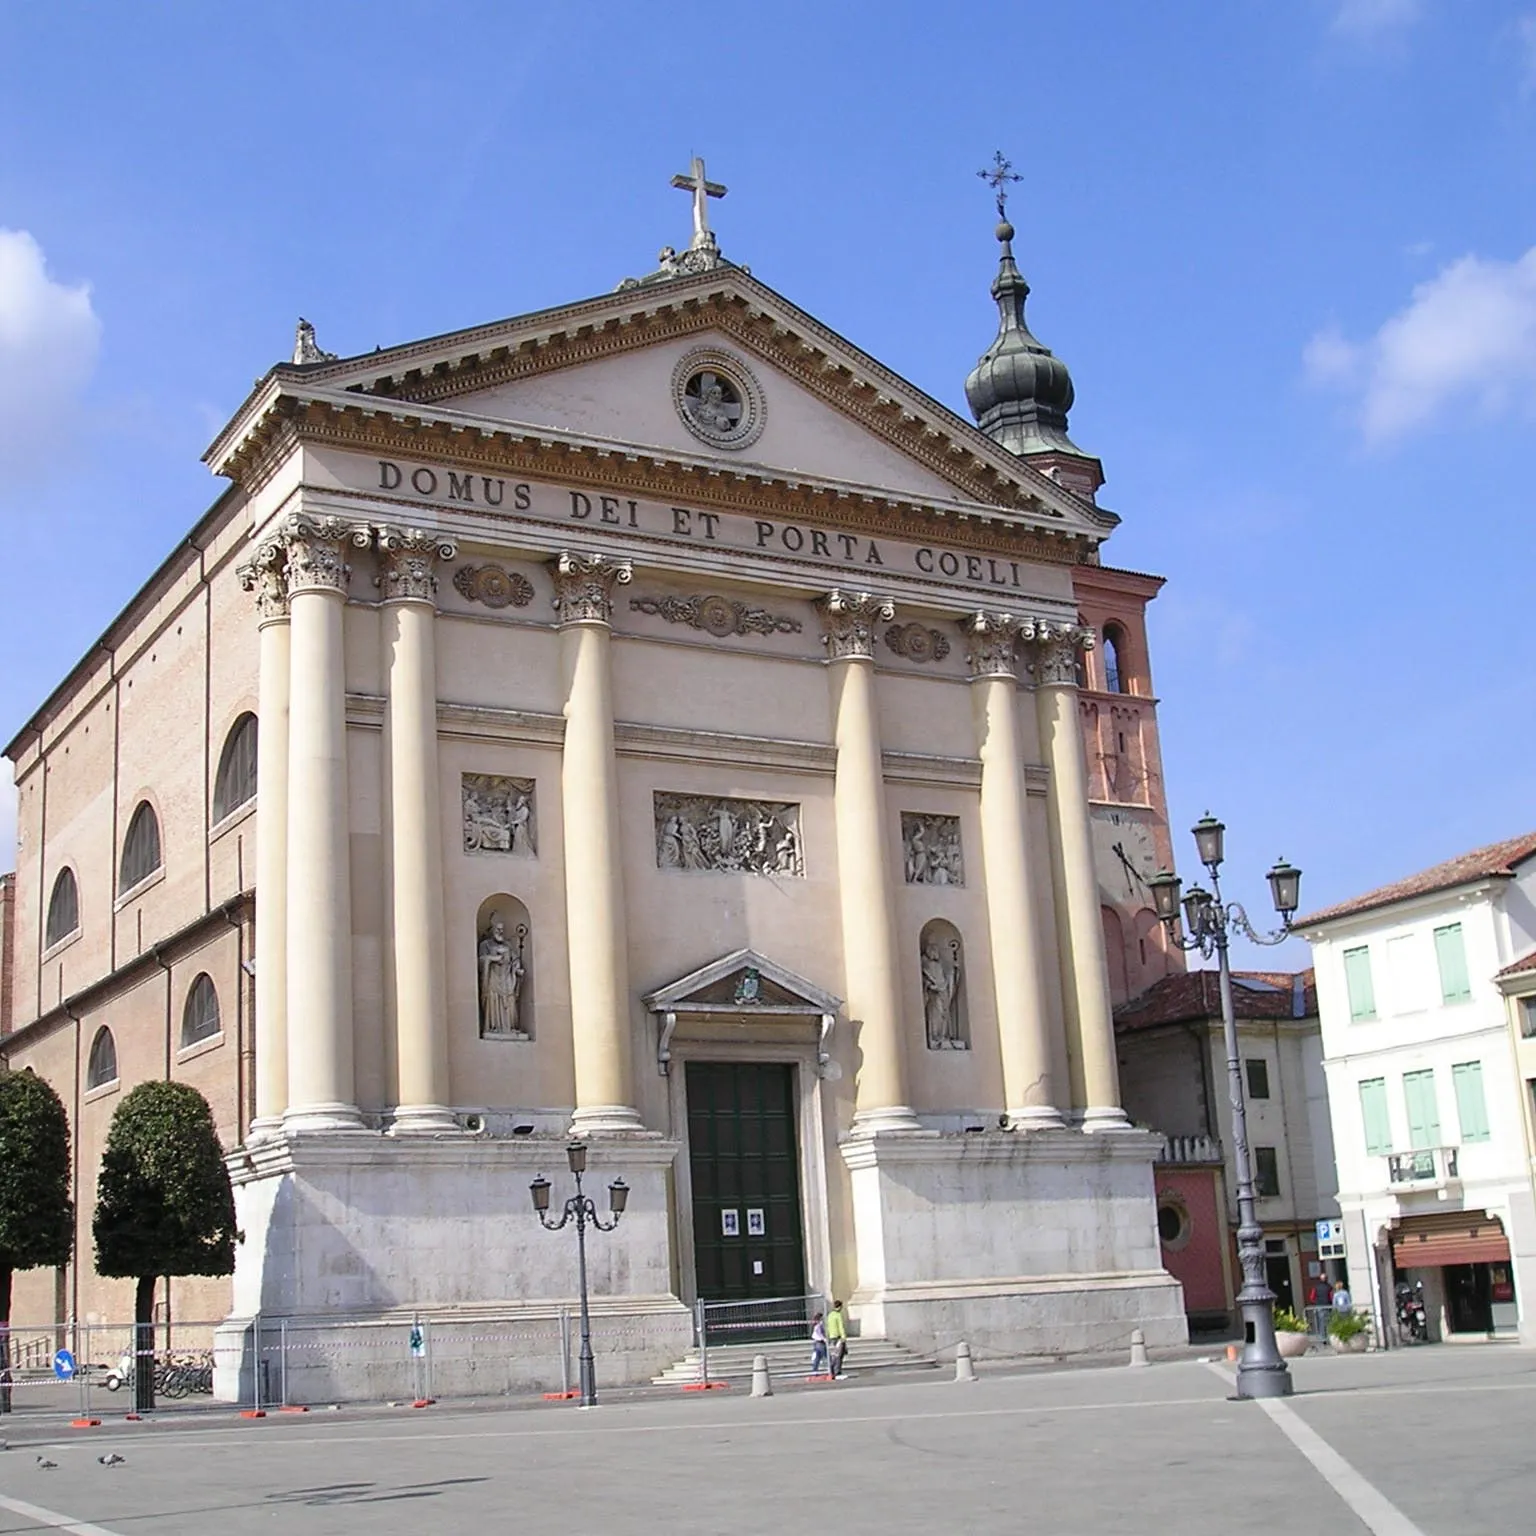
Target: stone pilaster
[(594, 889), (1024, 1022), (418, 946), (321, 1087), (1085, 973), (870, 958), (265, 577)]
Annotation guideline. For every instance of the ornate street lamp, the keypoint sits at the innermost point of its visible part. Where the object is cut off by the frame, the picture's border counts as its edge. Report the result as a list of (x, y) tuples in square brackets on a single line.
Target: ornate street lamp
[(1260, 1370), (581, 1209)]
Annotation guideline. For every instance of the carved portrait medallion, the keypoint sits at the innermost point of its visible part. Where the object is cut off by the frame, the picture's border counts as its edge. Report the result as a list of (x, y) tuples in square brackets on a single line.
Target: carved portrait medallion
[(718, 398), (493, 585)]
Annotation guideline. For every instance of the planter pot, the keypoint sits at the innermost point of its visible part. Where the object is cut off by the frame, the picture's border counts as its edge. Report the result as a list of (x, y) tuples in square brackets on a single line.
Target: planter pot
[(1291, 1345), (1355, 1346)]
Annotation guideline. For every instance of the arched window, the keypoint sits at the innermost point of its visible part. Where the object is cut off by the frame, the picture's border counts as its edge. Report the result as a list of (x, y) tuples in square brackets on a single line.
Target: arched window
[(235, 782), (1114, 673), (200, 1017), (141, 848), (63, 908), (101, 1067)]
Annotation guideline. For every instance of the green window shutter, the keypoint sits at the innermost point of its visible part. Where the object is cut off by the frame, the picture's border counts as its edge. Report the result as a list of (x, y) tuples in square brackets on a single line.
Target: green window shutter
[(1357, 977), (1451, 952), (1471, 1110), (1423, 1113), (1373, 1110)]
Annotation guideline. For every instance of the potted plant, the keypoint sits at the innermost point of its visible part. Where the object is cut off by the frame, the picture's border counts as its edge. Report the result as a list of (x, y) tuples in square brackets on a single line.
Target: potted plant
[(1290, 1333), (1349, 1331)]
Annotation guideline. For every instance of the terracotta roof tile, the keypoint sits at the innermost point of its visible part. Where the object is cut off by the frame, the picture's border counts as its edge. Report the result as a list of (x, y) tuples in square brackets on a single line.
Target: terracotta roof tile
[(1521, 966), (1197, 995), (1497, 860)]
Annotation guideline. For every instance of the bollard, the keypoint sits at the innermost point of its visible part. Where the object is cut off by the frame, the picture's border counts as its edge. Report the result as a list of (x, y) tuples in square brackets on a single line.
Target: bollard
[(762, 1386), (1139, 1348), (964, 1370)]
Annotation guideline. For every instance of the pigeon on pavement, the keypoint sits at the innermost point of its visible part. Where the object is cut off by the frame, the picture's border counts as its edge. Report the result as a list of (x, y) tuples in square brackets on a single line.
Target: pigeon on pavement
[(44, 1465), (111, 1459)]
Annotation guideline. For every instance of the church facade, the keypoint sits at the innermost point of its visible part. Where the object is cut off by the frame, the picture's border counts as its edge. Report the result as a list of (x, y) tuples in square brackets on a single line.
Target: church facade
[(640, 720)]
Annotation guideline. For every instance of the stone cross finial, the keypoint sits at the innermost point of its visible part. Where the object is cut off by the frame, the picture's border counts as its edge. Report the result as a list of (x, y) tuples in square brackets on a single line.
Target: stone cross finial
[(997, 176), (694, 182)]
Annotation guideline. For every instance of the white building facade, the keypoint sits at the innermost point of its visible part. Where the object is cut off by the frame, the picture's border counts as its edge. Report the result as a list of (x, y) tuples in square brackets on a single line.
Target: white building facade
[(1426, 1093)]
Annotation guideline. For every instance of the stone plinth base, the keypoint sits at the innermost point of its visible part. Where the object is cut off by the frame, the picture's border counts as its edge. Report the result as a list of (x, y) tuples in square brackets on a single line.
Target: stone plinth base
[(354, 1239), (1038, 1242)]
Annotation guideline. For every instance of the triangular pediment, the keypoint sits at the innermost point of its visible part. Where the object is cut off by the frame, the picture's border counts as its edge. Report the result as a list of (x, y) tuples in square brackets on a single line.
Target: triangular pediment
[(606, 371), (743, 982)]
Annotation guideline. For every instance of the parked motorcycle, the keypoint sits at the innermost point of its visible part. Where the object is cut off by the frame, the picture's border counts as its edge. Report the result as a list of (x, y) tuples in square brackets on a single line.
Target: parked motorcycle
[(1412, 1319), (121, 1372)]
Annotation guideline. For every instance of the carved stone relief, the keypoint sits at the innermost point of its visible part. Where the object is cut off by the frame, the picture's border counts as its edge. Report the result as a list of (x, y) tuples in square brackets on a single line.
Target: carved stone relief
[(503, 967), (754, 837), (493, 585), (407, 557), (931, 849), (916, 642), (848, 622), (584, 586), (498, 815), (719, 616), (943, 967)]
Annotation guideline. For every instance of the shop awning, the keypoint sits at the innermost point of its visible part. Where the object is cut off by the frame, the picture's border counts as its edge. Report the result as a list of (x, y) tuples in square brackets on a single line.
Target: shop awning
[(1449, 1237)]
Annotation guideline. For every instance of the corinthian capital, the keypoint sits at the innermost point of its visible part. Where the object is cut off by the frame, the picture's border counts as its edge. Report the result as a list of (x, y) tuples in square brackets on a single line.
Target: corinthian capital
[(848, 622), (584, 586), (992, 642), (407, 556), (316, 549), (1056, 648), (265, 577)]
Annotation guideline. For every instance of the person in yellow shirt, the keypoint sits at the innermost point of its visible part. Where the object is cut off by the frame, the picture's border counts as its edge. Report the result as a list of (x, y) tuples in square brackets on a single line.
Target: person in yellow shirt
[(837, 1339)]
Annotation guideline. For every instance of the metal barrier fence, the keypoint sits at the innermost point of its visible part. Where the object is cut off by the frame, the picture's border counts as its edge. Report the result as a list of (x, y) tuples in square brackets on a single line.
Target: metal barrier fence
[(771, 1320)]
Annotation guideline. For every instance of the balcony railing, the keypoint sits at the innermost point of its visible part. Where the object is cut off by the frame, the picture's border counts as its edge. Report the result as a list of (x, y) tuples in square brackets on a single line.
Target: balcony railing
[(1423, 1169), (1190, 1149)]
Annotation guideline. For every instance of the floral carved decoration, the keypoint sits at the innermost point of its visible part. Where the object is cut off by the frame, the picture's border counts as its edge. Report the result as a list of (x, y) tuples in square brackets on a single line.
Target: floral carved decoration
[(493, 585), (718, 616), (916, 642)]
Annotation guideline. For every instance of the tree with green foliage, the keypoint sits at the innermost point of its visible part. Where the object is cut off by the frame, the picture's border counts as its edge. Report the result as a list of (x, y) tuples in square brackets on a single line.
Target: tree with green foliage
[(37, 1217), (164, 1205)]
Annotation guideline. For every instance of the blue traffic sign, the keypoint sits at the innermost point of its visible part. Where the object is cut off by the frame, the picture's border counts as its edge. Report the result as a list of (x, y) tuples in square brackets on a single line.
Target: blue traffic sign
[(64, 1365)]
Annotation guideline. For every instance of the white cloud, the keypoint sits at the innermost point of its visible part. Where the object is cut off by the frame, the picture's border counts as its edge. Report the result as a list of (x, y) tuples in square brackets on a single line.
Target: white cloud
[(1467, 336), (1375, 18), (49, 335)]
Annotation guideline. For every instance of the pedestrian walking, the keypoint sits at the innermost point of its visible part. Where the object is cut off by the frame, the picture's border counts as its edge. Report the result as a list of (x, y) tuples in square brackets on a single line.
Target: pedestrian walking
[(837, 1339), (820, 1362)]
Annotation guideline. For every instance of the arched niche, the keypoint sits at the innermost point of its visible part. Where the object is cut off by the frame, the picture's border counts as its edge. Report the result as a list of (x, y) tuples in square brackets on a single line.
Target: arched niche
[(941, 956), (1114, 953), (1151, 948), (504, 995)]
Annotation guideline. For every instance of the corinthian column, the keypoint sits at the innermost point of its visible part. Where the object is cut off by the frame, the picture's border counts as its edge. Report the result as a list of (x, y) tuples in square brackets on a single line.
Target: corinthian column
[(1084, 971), (266, 579), (594, 890), (863, 879), (418, 948), (321, 1091), (1023, 1015)]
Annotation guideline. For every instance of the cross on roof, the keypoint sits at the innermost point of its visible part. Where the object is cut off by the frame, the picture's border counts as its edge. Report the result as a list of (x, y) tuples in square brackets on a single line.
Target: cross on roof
[(702, 190), (997, 176)]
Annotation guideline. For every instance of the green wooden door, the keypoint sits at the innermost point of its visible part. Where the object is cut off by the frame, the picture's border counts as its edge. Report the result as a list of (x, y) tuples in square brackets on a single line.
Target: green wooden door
[(747, 1239)]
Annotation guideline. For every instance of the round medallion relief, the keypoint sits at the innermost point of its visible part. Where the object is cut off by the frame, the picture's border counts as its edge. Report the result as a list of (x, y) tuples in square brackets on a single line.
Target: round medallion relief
[(718, 398)]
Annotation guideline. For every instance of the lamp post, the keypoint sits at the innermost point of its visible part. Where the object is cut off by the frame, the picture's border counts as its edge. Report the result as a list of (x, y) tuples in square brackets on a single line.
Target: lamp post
[(579, 1208), (1260, 1370)]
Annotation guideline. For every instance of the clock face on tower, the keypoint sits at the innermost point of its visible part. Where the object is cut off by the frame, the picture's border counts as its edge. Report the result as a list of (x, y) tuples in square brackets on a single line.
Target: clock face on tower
[(1124, 855)]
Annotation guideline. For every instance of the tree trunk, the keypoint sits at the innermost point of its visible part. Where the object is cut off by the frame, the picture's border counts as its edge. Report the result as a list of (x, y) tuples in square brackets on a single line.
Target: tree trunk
[(5, 1338), (144, 1344)]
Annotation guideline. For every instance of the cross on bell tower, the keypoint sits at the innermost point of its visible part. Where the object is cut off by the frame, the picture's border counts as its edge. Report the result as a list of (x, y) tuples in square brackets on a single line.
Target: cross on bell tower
[(703, 190)]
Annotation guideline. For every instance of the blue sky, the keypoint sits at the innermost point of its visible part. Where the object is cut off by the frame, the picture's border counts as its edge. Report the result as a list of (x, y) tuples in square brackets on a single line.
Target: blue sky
[(1287, 250)]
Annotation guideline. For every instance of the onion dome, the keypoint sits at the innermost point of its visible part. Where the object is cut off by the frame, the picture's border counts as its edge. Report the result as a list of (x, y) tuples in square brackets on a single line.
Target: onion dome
[(1020, 391)]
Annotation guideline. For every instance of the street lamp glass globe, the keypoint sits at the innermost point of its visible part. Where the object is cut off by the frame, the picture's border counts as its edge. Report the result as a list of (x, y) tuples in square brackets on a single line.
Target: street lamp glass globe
[(1285, 886), (1165, 894), (618, 1196), (576, 1156), (1208, 839), (539, 1189), (1196, 901)]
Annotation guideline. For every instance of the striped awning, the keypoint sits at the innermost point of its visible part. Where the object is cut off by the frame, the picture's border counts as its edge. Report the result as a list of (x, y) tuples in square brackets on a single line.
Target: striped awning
[(1449, 1237)]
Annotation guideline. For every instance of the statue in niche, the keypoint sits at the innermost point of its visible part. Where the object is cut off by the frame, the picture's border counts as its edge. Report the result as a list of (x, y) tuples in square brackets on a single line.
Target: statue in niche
[(501, 981), (932, 848), (941, 993), (498, 815)]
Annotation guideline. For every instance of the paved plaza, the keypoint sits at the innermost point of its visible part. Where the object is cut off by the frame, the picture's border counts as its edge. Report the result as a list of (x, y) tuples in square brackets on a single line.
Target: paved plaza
[(1434, 1441)]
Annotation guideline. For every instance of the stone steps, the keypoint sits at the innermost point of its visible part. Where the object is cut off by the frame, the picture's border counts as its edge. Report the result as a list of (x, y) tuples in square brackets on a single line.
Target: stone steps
[(733, 1362)]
